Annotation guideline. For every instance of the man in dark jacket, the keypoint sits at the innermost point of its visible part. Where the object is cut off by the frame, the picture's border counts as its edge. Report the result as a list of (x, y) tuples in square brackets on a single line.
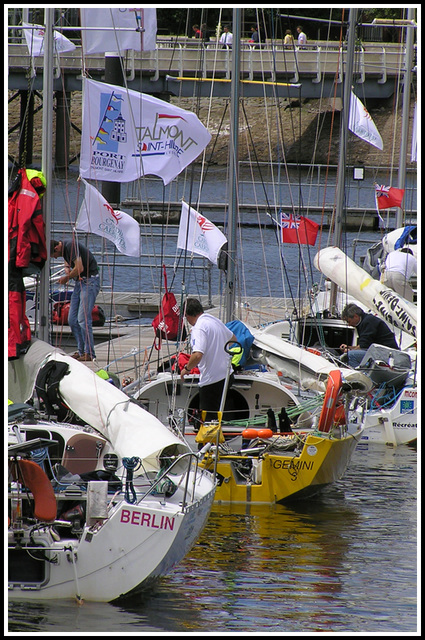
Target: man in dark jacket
[(370, 329)]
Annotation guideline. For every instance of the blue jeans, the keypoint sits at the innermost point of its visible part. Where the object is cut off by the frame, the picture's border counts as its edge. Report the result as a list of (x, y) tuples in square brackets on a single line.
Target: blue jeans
[(355, 356), (80, 319)]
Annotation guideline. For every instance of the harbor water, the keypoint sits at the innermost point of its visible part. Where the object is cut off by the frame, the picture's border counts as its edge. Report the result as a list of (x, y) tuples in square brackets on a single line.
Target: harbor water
[(264, 267), (342, 563)]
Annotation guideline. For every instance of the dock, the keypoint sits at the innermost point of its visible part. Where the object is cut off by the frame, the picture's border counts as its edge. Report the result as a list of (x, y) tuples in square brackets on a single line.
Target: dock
[(125, 347)]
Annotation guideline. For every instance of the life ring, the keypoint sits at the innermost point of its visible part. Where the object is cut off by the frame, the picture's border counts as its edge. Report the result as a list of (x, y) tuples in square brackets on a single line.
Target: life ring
[(36, 480), (333, 389)]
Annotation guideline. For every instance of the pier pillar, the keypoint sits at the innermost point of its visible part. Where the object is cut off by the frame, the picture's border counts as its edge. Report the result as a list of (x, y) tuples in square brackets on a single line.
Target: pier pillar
[(63, 107), (111, 191), (26, 127)]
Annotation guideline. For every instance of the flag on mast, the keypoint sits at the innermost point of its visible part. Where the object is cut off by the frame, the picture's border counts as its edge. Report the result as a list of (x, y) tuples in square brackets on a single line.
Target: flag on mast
[(361, 123), (127, 135), (198, 235), (118, 29), (387, 197), (97, 216), (297, 229), (34, 36)]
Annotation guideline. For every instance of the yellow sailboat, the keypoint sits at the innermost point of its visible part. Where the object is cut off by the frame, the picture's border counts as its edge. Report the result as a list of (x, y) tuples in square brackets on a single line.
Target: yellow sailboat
[(284, 467)]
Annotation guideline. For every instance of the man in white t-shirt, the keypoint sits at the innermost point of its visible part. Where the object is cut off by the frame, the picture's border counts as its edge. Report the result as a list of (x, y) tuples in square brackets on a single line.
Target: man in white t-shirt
[(208, 338), (302, 38), (400, 266)]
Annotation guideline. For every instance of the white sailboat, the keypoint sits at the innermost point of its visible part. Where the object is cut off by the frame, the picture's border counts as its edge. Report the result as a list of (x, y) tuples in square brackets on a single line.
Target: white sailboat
[(103, 498)]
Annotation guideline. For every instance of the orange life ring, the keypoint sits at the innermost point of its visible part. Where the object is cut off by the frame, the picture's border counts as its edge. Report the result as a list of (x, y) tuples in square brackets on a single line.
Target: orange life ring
[(38, 483), (327, 414)]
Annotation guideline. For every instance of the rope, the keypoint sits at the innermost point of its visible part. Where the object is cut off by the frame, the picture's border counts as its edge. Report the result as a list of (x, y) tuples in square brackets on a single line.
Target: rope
[(130, 464)]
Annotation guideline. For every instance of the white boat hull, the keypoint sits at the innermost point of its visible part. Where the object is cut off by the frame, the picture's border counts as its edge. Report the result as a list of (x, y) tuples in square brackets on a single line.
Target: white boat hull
[(123, 556), (394, 426)]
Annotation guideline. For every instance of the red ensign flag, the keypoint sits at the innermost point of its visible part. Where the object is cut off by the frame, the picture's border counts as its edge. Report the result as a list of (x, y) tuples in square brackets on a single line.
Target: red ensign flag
[(387, 197), (297, 229)]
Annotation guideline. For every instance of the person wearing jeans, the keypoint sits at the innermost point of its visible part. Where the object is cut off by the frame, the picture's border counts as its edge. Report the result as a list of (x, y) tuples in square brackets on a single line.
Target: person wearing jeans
[(81, 266)]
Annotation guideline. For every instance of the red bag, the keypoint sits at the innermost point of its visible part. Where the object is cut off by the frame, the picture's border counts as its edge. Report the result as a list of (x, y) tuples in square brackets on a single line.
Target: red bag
[(61, 311), (166, 324)]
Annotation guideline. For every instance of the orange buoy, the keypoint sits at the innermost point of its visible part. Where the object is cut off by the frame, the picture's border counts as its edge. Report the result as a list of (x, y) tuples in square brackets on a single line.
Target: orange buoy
[(265, 433), (249, 434)]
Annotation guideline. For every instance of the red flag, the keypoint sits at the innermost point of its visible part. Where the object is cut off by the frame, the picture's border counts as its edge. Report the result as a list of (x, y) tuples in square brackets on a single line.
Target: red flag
[(387, 197), (297, 229)]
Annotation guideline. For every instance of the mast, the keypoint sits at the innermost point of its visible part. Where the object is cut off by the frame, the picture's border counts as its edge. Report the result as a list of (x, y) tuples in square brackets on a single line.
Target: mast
[(405, 111), (340, 188), (46, 167), (233, 165)]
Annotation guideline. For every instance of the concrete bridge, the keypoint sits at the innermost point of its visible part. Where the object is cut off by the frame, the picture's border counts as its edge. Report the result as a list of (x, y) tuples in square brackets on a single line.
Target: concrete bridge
[(177, 65)]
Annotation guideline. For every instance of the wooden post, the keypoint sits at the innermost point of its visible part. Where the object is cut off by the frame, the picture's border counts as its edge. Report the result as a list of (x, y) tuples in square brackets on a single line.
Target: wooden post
[(111, 191)]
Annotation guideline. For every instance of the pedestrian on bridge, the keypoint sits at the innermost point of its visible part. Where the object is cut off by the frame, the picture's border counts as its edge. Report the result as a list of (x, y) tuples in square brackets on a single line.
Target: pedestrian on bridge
[(226, 38), (288, 40), (302, 38)]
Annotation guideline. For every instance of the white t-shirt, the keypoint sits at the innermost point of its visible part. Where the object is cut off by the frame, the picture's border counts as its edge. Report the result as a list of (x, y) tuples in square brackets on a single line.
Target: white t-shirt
[(401, 262), (302, 38), (209, 336)]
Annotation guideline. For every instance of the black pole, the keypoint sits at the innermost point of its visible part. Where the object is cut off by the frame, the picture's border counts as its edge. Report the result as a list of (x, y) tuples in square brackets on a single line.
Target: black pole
[(111, 191), (63, 105), (27, 127)]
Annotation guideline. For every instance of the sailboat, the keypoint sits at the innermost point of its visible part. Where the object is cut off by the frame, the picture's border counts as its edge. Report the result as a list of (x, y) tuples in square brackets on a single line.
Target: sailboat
[(389, 412), (256, 461), (103, 499)]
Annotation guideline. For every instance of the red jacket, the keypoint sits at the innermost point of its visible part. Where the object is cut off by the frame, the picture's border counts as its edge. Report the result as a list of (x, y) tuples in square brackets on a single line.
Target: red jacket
[(27, 245), (27, 239)]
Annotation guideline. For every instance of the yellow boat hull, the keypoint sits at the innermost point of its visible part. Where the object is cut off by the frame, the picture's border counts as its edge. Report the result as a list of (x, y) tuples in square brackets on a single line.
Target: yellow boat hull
[(275, 478)]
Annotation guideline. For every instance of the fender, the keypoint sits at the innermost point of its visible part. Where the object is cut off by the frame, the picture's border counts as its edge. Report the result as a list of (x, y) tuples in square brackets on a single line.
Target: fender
[(333, 389)]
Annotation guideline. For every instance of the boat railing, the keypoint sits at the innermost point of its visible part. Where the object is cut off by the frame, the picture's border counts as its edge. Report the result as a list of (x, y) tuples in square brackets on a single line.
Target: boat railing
[(192, 457)]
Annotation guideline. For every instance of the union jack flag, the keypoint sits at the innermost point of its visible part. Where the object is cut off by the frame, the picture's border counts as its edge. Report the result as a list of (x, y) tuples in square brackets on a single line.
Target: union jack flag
[(289, 221)]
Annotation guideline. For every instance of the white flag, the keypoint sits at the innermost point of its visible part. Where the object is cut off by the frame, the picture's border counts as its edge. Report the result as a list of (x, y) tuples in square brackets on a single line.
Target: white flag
[(97, 216), (199, 235), (35, 40), (361, 123), (127, 134), (116, 34)]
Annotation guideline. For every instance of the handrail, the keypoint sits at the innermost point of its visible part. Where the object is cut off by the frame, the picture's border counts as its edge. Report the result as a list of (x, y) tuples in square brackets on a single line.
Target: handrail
[(318, 59), (190, 455)]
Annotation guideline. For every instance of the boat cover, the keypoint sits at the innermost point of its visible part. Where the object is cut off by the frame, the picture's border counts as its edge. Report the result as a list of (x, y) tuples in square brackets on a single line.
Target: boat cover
[(131, 429)]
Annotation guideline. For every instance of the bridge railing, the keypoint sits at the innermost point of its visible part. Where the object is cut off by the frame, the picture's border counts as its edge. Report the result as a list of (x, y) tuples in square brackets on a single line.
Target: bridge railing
[(208, 60)]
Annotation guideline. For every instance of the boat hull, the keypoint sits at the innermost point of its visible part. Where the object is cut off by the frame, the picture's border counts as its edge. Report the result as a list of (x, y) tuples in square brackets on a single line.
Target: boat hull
[(394, 426), (112, 560), (284, 478)]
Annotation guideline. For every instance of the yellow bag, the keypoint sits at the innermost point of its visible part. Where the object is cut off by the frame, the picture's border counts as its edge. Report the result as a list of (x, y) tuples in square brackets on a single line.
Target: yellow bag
[(208, 433)]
